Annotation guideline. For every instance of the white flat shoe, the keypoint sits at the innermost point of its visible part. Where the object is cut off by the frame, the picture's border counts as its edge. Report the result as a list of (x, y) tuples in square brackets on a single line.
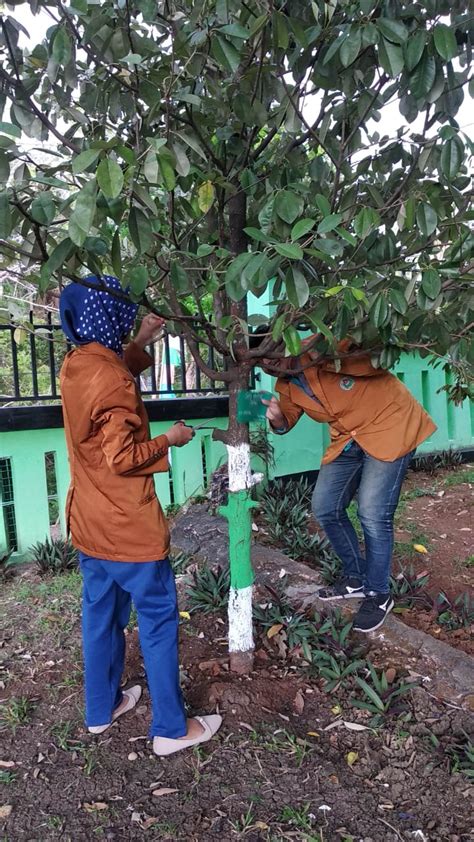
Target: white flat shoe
[(163, 746), (131, 696)]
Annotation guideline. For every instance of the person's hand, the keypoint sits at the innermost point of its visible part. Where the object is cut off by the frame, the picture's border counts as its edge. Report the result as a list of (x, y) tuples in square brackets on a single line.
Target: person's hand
[(150, 330), (274, 413), (179, 434)]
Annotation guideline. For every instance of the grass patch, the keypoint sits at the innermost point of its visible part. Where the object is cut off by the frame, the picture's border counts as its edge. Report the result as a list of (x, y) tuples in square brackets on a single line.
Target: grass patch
[(18, 712)]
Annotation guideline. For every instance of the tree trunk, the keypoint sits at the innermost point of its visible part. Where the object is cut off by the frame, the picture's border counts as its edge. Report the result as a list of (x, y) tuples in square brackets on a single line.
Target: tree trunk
[(238, 512)]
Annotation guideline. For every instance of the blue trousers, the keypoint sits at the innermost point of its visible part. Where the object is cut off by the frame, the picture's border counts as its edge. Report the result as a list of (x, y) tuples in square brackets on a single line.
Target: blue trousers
[(109, 587), (377, 485)]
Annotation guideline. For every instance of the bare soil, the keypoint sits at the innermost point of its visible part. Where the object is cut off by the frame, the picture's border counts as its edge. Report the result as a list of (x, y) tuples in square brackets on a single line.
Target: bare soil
[(284, 766)]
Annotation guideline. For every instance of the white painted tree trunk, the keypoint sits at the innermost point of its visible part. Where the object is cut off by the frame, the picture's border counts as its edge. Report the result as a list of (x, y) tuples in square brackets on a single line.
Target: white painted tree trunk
[(240, 599)]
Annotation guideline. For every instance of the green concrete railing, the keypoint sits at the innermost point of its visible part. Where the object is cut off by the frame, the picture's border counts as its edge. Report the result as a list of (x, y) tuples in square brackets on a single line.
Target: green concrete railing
[(27, 505)]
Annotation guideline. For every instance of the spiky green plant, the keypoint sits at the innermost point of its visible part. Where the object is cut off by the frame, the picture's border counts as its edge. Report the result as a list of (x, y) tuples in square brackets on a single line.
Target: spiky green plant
[(209, 589), (54, 555)]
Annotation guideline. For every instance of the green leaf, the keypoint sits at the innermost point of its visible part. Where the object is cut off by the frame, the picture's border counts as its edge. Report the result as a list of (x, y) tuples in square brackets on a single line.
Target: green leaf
[(110, 178), (257, 235), (379, 312), (116, 254), (204, 250), (445, 41), (370, 692), (206, 196), (179, 278), (167, 169), (96, 245), (190, 141), (391, 57), (329, 223), (290, 250), (224, 52), (292, 340), (58, 256), (281, 34), (392, 30), (301, 228), (61, 46), (350, 48), (398, 301), (414, 48), (323, 204), (317, 322), (266, 214), (43, 209), (423, 77), (296, 287), (4, 168), (366, 220), (9, 128), (235, 289), (288, 205), (138, 280), (235, 30), (151, 168), (431, 283), (82, 162), (451, 159), (140, 229), (183, 164), (5, 215), (426, 219), (83, 214)]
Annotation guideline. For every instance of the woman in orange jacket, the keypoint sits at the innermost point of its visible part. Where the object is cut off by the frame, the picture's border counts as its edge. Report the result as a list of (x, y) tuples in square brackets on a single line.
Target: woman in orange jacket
[(375, 426), (114, 516)]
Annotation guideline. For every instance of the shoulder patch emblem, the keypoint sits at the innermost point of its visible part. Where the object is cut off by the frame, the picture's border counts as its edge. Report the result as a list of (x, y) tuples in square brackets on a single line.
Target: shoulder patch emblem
[(346, 383)]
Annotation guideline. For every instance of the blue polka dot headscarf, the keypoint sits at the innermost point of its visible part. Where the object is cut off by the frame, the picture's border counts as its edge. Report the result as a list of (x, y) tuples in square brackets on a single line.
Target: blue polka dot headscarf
[(92, 315)]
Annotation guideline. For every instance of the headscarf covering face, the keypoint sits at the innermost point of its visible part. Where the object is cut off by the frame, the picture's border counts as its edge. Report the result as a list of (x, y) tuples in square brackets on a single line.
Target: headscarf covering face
[(92, 315)]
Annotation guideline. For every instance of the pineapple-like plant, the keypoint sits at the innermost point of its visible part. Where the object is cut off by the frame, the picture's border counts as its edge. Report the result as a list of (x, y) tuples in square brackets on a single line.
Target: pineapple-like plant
[(54, 555)]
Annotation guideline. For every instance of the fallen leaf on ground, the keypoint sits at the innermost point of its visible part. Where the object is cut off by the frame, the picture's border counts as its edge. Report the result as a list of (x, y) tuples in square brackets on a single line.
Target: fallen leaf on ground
[(5, 811), (420, 548), (274, 630), (390, 674), (352, 757), (7, 764), (336, 710), (261, 825), (312, 734), (164, 790), (298, 702), (93, 806), (185, 615), (354, 726)]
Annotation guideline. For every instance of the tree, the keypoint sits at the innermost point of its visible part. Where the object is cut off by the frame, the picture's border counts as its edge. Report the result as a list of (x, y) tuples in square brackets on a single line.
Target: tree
[(228, 147)]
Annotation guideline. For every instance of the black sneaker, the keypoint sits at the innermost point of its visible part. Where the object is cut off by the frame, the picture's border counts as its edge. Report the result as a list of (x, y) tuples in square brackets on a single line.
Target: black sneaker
[(344, 589), (372, 612)]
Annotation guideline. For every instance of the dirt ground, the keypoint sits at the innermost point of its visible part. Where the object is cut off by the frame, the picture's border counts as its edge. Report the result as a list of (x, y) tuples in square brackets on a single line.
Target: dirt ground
[(436, 513), (291, 762)]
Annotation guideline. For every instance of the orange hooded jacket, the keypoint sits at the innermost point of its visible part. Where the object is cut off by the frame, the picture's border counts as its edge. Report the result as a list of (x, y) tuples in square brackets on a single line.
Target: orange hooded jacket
[(112, 510), (359, 402)]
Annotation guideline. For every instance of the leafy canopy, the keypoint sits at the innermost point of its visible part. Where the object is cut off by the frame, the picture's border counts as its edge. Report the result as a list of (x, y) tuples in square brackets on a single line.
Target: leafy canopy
[(224, 147)]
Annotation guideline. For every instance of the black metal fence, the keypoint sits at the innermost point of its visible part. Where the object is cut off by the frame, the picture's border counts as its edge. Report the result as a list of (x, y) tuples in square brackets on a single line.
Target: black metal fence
[(31, 358)]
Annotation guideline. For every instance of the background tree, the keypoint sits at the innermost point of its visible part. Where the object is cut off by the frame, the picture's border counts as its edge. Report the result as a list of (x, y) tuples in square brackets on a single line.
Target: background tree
[(227, 147)]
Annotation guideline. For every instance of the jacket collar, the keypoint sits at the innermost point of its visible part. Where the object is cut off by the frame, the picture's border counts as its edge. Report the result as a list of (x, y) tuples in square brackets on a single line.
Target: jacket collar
[(98, 350)]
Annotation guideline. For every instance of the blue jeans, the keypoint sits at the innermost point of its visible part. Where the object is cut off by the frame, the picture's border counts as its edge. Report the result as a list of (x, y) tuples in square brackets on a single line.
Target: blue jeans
[(377, 485), (108, 590)]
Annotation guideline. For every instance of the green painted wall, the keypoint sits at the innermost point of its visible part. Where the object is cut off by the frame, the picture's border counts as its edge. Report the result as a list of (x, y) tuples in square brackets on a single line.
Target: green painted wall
[(298, 451), (302, 448)]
